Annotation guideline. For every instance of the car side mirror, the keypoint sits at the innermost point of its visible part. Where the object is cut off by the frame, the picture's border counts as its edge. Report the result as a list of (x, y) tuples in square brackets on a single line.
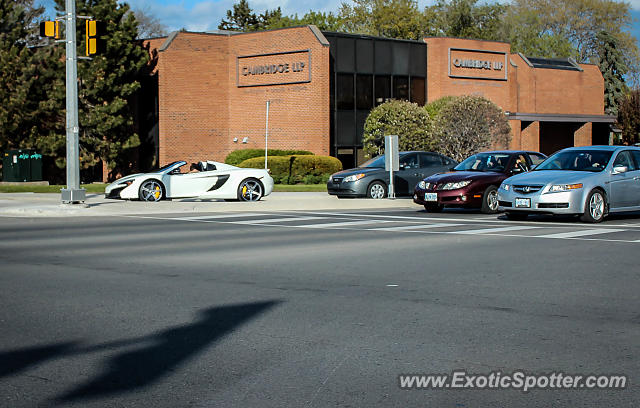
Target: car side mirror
[(620, 169)]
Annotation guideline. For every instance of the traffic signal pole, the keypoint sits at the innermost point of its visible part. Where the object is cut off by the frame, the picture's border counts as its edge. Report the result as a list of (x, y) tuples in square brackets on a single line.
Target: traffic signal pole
[(73, 194)]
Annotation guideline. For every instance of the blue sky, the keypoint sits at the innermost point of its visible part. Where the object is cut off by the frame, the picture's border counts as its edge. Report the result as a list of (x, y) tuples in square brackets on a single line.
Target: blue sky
[(203, 15)]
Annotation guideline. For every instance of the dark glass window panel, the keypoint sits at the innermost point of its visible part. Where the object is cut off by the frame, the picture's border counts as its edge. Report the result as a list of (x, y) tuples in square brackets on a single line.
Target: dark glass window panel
[(417, 90), (346, 55), (383, 89), (430, 160), (384, 57), (344, 91), (361, 117), (401, 58), (364, 92), (346, 128), (418, 65), (409, 161), (401, 88), (364, 56)]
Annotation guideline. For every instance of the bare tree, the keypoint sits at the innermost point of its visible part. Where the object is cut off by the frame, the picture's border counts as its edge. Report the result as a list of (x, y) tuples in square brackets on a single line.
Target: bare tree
[(148, 24)]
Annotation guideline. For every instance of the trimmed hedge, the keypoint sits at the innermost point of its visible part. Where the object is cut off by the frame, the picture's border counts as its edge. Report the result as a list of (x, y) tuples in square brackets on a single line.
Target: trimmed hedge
[(238, 156), (297, 168)]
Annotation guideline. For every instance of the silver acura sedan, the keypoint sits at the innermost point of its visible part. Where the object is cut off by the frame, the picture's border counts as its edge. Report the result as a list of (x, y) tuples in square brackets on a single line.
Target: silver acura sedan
[(590, 181)]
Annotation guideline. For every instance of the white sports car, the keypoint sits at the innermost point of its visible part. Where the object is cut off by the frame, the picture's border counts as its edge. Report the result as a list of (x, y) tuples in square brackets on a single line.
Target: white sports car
[(205, 180)]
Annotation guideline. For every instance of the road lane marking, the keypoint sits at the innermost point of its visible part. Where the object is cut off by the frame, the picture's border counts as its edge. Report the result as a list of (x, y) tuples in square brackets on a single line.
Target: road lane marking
[(220, 216), (574, 234), (414, 227), (273, 220), (341, 224), (494, 230)]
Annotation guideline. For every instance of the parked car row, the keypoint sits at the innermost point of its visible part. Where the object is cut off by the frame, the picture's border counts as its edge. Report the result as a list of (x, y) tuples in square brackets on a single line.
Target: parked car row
[(588, 181)]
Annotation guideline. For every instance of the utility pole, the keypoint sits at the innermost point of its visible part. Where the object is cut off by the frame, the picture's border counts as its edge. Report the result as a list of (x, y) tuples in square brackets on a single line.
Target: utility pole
[(73, 194), (266, 137)]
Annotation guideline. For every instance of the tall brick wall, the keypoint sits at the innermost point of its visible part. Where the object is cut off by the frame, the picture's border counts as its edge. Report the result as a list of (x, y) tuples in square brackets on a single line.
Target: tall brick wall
[(202, 109), (439, 83)]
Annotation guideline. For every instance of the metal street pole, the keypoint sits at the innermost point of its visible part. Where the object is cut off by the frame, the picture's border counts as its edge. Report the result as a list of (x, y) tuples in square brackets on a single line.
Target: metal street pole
[(266, 137), (73, 193)]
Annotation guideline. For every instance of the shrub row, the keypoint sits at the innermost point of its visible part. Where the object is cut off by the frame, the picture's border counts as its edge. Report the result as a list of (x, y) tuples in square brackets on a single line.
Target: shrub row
[(236, 157), (296, 169)]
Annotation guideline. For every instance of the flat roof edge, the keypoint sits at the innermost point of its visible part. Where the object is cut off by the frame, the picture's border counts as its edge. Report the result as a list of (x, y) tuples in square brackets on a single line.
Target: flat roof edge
[(554, 117)]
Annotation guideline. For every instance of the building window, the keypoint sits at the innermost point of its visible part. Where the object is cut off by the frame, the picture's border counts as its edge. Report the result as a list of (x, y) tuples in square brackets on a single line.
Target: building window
[(364, 92), (417, 91), (401, 88), (383, 89), (344, 91)]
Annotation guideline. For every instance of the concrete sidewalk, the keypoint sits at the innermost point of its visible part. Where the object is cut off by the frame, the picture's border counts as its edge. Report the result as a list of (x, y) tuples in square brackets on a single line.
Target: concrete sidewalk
[(49, 205)]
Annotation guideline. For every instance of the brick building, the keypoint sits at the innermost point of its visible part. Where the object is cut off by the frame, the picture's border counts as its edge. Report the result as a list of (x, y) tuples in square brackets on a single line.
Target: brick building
[(208, 93)]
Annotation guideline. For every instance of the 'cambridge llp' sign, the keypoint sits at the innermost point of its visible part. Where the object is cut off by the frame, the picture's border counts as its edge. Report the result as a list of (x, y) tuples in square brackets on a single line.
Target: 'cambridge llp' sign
[(477, 64), (292, 67)]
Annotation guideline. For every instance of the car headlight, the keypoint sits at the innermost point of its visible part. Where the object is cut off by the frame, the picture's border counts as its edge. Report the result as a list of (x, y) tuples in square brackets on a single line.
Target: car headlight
[(564, 187), (457, 185), (505, 187), (353, 177), (125, 183), (424, 185)]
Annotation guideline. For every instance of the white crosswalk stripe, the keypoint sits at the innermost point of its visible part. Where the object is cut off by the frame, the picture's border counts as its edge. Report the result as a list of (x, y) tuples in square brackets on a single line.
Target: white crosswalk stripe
[(276, 220), (222, 216), (497, 229), (582, 233), (414, 227), (343, 224)]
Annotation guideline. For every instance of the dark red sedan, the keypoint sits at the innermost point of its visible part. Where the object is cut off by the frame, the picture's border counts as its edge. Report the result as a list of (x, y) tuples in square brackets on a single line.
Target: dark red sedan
[(474, 182)]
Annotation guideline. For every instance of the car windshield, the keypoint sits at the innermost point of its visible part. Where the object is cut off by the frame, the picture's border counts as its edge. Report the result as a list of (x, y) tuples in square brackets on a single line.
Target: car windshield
[(484, 162), (163, 168), (378, 161), (375, 162), (577, 160)]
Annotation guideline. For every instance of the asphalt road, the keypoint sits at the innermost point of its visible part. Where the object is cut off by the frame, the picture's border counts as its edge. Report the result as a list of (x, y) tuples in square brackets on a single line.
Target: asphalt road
[(313, 309)]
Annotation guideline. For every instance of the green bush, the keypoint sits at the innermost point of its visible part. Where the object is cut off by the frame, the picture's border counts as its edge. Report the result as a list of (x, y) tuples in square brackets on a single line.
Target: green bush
[(468, 124), (407, 120), (297, 169), (238, 156)]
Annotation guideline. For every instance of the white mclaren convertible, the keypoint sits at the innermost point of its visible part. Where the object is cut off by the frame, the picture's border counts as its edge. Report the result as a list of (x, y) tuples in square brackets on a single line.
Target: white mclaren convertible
[(207, 179)]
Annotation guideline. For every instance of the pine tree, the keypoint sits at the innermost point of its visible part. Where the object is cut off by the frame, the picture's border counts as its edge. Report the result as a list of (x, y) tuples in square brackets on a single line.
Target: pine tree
[(107, 85), (613, 68), (18, 75)]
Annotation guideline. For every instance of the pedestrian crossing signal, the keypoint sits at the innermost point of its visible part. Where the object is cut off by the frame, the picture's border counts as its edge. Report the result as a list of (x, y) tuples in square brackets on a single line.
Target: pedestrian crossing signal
[(94, 43), (50, 29)]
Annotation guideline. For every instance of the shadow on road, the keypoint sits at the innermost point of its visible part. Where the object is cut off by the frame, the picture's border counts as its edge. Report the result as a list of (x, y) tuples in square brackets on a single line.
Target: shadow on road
[(158, 354)]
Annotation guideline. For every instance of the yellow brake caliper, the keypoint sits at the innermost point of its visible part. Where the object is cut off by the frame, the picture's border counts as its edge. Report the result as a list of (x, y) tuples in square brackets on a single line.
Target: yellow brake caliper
[(156, 194), (244, 190)]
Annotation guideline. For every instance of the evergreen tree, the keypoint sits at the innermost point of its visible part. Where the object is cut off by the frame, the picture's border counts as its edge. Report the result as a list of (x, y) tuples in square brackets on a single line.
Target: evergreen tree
[(107, 85), (242, 18), (629, 117), (18, 75), (613, 68)]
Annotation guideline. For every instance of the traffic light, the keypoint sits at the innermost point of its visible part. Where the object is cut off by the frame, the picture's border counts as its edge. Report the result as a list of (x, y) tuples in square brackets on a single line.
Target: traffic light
[(50, 29), (94, 42)]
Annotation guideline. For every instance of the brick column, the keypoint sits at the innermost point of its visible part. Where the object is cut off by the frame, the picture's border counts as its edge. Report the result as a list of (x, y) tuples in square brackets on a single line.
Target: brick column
[(584, 135), (530, 137)]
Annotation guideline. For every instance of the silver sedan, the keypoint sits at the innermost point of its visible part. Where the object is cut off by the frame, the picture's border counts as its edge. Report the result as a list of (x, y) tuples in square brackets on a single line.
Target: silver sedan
[(591, 181)]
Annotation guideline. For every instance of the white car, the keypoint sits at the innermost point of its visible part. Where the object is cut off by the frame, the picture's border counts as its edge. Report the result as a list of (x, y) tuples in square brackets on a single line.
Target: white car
[(208, 179)]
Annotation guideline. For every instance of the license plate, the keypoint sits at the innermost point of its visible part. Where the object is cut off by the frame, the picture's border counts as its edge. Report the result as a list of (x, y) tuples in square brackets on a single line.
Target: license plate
[(523, 203), (430, 196)]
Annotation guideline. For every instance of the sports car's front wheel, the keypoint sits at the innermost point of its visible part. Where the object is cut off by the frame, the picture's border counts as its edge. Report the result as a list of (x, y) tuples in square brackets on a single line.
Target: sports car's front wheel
[(151, 190), (250, 190)]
